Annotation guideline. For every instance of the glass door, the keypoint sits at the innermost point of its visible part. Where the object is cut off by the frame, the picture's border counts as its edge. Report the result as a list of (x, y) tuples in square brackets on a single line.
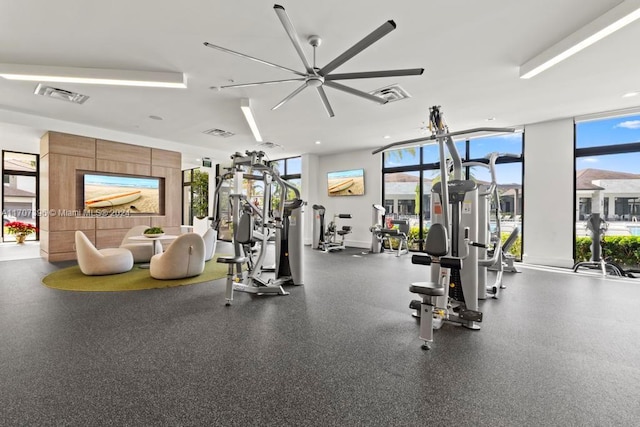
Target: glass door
[(19, 196)]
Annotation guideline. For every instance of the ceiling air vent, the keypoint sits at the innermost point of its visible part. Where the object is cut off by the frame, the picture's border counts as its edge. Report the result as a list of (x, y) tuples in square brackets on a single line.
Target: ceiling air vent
[(219, 132), (391, 93), (61, 94), (269, 145)]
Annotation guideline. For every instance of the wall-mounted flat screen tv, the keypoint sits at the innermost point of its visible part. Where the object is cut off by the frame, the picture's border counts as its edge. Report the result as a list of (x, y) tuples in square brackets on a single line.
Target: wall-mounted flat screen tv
[(346, 183), (122, 194)]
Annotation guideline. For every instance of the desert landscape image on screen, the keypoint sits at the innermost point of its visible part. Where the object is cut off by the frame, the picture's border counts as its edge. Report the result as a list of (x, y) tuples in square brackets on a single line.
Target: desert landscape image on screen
[(346, 183), (120, 194)]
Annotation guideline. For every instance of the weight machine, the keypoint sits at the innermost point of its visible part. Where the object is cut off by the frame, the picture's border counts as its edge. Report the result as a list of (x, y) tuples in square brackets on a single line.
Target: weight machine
[(451, 244), (328, 238), (253, 227), (490, 250)]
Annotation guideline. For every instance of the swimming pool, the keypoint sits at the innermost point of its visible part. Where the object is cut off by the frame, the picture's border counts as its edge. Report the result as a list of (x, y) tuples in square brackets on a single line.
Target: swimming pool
[(634, 230)]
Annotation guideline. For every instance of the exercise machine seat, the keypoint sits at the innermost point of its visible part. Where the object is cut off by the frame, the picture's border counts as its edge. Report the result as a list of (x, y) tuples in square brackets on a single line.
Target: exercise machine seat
[(183, 258), (232, 260), (436, 245), (210, 238), (142, 251), (427, 288), (99, 262)]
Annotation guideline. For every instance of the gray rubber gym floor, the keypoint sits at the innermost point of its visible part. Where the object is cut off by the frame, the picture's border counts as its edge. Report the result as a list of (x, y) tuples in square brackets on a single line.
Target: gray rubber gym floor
[(556, 349)]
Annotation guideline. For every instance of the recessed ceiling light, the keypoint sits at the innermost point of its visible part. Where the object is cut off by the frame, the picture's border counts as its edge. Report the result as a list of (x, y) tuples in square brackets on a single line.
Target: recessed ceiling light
[(387, 136), (630, 94), (318, 142), (490, 119), (156, 117), (198, 160)]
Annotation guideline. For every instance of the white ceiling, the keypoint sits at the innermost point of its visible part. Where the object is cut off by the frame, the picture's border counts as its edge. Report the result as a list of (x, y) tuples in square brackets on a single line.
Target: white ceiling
[(471, 51)]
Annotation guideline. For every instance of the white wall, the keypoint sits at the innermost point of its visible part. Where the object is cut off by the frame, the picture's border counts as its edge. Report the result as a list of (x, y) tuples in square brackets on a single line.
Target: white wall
[(358, 206), (20, 138), (309, 192), (549, 193), (30, 127)]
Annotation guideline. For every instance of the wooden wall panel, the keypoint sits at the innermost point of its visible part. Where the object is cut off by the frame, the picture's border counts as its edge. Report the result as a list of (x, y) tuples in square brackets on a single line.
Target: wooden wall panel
[(44, 242), (120, 152), (65, 241), (110, 238), (122, 167), (71, 223), (62, 179), (44, 145), (127, 222), (62, 155), (71, 145), (61, 256), (172, 196), (44, 188), (165, 158)]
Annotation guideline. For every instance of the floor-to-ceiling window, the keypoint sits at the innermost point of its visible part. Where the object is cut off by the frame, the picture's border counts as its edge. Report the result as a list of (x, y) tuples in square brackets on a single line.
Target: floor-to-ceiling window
[(290, 170), (19, 191), (608, 181), (409, 174)]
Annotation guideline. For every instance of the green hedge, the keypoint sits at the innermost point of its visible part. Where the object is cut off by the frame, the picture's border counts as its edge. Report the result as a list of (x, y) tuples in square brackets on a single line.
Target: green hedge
[(515, 250), (623, 250)]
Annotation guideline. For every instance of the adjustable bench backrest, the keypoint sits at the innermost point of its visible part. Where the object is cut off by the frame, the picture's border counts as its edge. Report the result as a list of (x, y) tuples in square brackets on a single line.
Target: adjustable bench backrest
[(403, 225), (437, 245), (437, 242)]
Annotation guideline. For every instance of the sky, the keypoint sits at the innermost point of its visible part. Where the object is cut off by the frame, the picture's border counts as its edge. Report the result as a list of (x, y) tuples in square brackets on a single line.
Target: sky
[(619, 130), (593, 133)]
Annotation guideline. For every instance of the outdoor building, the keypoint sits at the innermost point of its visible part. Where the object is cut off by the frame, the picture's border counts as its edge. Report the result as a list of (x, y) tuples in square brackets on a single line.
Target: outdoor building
[(19, 192), (615, 195), (618, 194)]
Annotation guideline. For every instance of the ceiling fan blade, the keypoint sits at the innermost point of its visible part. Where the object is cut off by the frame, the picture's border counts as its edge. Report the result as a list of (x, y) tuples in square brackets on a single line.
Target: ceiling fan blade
[(242, 55), (293, 35), (260, 83), (355, 92), (373, 74), (325, 101), (376, 35), (291, 95)]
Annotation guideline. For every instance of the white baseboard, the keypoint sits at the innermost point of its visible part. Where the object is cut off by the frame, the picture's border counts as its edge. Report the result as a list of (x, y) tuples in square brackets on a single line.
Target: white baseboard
[(551, 262)]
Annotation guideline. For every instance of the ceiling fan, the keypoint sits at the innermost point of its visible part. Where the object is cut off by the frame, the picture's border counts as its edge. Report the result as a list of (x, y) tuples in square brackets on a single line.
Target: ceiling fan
[(319, 77)]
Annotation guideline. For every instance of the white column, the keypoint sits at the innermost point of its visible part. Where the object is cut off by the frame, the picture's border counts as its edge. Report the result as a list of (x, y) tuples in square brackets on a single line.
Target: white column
[(549, 187)]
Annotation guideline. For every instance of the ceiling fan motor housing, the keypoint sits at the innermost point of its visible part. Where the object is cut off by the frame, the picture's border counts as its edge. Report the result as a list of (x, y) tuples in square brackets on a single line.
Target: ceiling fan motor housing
[(314, 81)]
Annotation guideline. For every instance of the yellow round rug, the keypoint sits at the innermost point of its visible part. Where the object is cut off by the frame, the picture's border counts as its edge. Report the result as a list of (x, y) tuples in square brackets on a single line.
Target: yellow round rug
[(72, 279)]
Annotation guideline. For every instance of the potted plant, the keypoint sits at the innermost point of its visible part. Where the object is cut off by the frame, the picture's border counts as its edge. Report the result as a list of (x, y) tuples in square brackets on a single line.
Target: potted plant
[(200, 188), (20, 229), (200, 200)]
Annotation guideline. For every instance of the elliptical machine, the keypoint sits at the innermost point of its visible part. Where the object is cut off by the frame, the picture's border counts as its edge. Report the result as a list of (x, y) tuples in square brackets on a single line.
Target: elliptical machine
[(597, 228)]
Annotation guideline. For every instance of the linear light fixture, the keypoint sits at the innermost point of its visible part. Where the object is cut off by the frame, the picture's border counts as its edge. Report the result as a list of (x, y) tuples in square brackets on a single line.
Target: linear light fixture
[(606, 24), (245, 106), (98, 76)]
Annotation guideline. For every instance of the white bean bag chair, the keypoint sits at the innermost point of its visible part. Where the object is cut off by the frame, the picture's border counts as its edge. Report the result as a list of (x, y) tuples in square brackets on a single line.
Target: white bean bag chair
[(99, 262), (210, 238), (142, 251), (183, 258)]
